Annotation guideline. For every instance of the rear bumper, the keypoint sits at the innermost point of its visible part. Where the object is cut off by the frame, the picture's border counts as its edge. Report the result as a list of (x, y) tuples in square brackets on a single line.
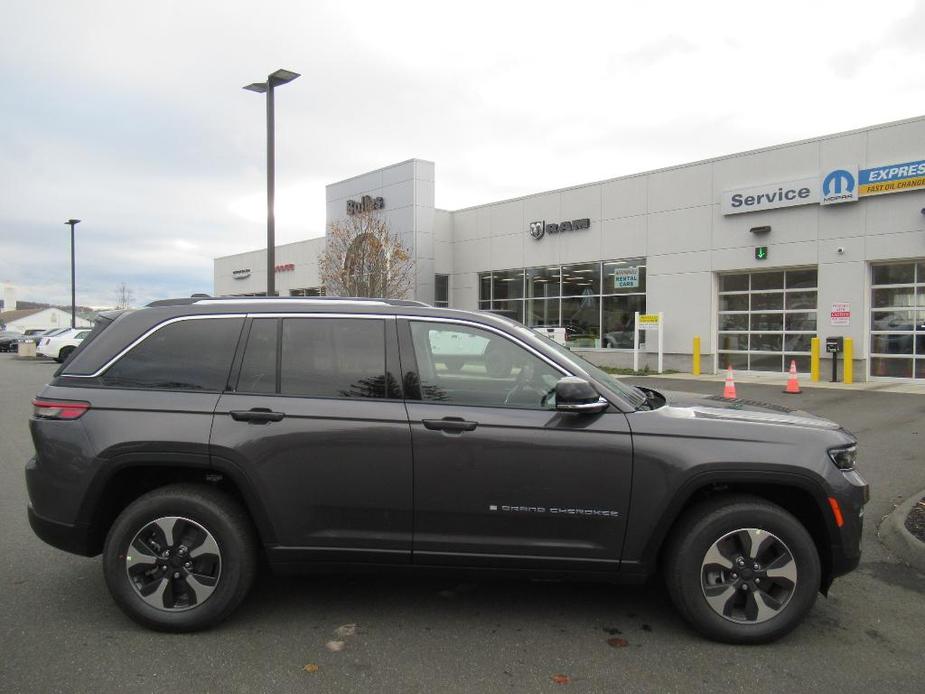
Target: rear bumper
[(70, 538)]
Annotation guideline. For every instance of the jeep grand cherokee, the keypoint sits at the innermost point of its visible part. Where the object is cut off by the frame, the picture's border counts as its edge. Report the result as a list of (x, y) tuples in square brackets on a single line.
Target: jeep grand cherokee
[(184, 439)]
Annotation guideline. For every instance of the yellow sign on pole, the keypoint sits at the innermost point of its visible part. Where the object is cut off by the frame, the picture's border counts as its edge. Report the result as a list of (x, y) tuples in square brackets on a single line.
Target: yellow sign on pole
[(648, 321)]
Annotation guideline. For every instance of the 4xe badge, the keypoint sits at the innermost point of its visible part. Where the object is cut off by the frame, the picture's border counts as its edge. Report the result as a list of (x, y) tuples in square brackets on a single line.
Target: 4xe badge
[(839, 185)]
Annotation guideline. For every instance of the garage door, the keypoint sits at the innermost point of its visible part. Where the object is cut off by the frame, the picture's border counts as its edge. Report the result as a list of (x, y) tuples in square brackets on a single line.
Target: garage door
[(766, 319), (897, 320)]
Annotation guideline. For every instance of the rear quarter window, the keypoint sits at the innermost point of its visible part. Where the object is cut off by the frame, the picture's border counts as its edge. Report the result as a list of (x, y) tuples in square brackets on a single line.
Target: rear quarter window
[(186, 355)]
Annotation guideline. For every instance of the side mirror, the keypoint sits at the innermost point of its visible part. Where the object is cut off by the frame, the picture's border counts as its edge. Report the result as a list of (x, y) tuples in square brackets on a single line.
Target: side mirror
[(577, 395)]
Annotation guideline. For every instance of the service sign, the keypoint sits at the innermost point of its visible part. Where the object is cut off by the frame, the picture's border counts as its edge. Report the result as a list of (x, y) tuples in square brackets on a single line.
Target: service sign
[(648, 321), (626, 278), (773, 195)]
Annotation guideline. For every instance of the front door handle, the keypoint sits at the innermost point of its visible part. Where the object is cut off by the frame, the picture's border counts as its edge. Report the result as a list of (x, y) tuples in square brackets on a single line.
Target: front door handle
[(457, 424), (257, 415)]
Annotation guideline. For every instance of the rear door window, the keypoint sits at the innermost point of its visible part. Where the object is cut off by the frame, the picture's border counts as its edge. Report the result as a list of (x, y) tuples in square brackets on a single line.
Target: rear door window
[(186, 355), (333, 357), (258, 368)]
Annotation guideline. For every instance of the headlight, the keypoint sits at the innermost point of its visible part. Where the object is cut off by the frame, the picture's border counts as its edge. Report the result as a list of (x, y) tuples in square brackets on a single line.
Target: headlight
[(844, 457)]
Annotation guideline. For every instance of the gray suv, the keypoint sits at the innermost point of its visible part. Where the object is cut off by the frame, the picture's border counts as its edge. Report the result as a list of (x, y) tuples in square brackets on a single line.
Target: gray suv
[(186, 439)]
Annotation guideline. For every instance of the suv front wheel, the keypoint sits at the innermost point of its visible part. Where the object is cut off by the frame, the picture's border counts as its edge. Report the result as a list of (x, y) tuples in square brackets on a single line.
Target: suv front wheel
[(742, 570), (180, 558)]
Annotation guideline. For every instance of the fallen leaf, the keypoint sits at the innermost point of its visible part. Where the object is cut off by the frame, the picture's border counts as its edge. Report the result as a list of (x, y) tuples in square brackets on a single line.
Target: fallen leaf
[(561, 679), (334, 646), (617, 642), (345, 630), (311, 667)]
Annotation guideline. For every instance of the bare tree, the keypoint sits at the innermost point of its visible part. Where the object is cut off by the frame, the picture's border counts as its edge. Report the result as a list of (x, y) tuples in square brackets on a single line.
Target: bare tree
[(362, 257), (124, 296)]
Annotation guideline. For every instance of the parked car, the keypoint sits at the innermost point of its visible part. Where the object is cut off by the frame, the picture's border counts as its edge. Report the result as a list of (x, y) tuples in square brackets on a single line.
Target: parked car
[(8, 340), (36, 335), (60, 346), (184, 439)]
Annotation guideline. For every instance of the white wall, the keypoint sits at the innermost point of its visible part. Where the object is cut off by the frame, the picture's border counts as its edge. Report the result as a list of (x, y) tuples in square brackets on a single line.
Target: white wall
[(408, 191), (47, 319), (673, 218), (302, 254)]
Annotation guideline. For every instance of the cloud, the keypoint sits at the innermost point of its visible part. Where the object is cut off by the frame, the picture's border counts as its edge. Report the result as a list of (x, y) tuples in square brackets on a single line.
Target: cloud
[(132, 117)]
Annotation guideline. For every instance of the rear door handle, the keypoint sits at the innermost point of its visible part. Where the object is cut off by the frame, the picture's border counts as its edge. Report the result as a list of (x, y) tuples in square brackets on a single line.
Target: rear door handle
[(257, 415), (450, 424)]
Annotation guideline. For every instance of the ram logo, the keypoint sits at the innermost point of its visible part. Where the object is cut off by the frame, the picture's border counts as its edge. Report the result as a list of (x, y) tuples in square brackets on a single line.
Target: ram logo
[(537, 229)]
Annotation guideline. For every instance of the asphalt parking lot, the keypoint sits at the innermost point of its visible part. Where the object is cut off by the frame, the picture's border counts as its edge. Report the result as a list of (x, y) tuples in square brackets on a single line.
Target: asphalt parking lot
[(60, 632)]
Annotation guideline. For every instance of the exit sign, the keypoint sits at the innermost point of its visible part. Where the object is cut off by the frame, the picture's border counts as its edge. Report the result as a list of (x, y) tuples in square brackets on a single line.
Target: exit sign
[(761, 252)]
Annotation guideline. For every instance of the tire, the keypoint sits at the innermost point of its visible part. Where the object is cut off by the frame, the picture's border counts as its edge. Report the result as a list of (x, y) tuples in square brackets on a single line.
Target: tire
[(64, 354), (180, 602), (720, 532)]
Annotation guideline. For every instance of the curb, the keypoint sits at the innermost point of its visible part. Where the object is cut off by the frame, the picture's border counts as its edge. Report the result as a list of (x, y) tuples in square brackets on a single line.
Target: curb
[(893, 533)]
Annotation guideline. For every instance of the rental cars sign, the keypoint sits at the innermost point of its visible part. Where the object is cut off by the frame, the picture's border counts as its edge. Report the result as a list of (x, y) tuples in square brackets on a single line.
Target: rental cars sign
[(837, 185)]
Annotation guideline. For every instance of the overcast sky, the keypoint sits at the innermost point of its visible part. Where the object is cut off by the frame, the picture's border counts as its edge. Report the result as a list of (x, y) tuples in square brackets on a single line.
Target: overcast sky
[(131, 117)]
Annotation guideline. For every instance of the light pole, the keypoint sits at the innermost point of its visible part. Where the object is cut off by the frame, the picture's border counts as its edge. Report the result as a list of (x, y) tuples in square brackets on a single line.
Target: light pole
[(273, 80), (73, 223)]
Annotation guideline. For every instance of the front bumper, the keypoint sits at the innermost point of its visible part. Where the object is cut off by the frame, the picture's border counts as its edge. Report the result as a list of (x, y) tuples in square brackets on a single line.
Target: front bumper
[(851, 498)]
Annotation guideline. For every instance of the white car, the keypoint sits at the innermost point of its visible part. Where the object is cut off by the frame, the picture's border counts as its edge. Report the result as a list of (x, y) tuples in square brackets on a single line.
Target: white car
[(59, 347)]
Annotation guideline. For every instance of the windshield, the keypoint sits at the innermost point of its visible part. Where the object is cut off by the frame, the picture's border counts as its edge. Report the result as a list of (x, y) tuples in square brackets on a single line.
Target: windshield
[(631, 394)]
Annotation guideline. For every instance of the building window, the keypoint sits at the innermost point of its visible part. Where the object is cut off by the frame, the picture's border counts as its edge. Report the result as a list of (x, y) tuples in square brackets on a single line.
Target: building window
[(595, 302), (766, 319), (897, 320), (442, 290)]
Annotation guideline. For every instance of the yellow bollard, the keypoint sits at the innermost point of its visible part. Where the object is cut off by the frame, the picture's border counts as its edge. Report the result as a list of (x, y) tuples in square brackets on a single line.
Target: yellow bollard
[(814, 360), (848, 369), (695, 358)]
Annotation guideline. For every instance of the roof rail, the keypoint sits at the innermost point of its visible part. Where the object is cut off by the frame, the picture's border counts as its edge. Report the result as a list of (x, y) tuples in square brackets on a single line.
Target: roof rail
[(200, 299)]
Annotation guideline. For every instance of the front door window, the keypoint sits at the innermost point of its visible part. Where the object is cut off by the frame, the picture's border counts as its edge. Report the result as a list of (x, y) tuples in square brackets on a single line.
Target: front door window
[(463, 365)]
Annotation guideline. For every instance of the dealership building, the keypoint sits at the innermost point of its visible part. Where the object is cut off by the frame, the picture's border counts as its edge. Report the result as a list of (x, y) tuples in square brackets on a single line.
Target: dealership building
[(755, 253)]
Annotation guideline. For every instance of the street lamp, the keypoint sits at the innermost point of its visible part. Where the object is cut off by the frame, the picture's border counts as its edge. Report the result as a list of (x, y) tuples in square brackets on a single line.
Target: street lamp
[(73, 223), (273, 80)]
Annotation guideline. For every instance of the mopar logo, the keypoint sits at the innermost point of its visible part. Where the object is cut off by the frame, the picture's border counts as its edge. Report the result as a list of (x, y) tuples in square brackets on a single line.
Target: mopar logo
[(839, 185), (833, 182)]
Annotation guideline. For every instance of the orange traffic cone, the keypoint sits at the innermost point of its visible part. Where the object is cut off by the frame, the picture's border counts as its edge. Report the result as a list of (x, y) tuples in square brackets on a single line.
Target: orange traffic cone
[(729, 392), (793, 386)]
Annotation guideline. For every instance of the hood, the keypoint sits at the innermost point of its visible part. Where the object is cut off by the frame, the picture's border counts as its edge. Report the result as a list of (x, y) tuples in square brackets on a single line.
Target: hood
[(739, 410)]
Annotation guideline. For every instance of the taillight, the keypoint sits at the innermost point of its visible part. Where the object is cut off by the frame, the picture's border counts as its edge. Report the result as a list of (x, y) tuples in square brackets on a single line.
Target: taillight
[(59, 409)]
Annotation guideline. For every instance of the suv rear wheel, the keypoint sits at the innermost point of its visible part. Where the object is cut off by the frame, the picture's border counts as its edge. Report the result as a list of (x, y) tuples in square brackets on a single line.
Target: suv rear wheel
[(180, 558), (742, 570)]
